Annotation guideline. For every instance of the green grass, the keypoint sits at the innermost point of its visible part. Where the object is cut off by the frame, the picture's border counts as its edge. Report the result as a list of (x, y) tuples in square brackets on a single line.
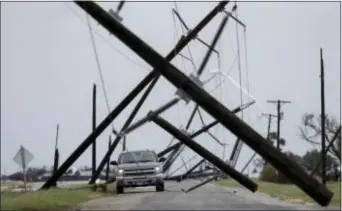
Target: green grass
[(287, 192), (52, 199)]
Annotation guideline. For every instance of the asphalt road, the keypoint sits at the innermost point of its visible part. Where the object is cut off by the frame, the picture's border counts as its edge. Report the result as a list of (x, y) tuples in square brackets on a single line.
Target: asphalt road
[(207, 197)]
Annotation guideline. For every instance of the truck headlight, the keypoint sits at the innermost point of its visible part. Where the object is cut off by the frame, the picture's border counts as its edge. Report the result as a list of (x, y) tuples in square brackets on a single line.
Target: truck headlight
[(157, 169), (120, 172)]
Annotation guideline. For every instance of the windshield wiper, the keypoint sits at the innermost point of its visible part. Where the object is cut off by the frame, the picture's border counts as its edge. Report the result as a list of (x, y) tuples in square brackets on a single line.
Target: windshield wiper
[(145, 161)]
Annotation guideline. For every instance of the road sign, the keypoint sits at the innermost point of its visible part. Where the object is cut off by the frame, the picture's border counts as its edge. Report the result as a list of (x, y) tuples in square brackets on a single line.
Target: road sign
[(23, 157)]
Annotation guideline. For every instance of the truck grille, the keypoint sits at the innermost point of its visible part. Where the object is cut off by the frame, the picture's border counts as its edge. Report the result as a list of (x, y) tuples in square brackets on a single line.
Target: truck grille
[(139, 172)]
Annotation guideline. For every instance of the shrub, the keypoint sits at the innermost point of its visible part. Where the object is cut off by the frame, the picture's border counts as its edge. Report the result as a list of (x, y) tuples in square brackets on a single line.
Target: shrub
[(269, 174)]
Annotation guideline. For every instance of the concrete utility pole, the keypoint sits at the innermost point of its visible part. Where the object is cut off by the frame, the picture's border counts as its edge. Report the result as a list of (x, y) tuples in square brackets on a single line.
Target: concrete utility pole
[(323, 119), (279, 116)]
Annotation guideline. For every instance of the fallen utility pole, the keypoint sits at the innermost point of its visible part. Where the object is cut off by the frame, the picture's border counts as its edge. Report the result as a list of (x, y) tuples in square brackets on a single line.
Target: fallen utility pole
[(128, 122), (144, 120), (199, 73), (177, 146), (123, 104), (288, 167), (270, 116), (233, 154), (204, 129), (201, 184), (323, 120), (193, 175), (245, 181), (186, 162), (56, 156), (93, 166), (186, 174), (169, 149), (168, 161), (173, 157)]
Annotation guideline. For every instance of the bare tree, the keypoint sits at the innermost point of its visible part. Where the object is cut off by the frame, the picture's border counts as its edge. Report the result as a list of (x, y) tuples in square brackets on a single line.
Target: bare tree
[(310, 131)]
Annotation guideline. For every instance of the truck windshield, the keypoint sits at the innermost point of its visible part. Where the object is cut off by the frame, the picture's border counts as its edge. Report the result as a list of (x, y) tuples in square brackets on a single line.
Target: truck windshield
[(138, 156)]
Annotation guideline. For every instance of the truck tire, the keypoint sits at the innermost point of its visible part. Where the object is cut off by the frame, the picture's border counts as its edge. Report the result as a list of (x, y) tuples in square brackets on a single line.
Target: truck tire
[(160, 186), (119, 189)]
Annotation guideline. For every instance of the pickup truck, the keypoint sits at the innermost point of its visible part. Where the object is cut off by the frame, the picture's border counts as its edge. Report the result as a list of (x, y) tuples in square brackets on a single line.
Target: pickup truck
[(139, 169)]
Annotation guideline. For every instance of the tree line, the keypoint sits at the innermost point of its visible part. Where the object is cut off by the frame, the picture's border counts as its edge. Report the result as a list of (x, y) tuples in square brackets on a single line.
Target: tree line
[(310, 131)]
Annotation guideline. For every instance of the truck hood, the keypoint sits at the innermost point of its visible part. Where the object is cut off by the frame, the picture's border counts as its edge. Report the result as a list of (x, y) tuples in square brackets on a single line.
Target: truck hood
[(138, 166)]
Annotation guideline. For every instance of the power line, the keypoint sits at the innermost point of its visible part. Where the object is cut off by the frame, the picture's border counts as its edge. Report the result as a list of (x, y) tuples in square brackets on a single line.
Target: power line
[(109, 43), (239, 143), (99, 69)]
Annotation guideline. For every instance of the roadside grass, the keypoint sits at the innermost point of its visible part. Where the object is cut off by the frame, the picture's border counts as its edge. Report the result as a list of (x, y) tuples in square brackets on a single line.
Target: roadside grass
[(52, 199), (288, 192)]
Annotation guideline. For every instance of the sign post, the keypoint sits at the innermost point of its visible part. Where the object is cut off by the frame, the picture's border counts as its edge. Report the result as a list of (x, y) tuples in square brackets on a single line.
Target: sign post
[(23, 157)]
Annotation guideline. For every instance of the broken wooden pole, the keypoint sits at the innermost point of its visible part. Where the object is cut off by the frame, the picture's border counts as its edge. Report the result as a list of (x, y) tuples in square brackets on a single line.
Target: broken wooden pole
[(253, 139)]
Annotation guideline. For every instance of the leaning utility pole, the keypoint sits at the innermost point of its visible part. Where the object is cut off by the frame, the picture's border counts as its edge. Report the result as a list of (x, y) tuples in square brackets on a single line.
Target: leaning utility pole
[(108, 161), (94, 127), (269, 127), (269, 123), (279, 103), (323, 119), (267, 137), (56, 156), (124, 143)]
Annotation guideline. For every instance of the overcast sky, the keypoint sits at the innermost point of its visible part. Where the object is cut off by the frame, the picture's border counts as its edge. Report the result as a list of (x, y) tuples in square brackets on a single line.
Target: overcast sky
[(48, 69)]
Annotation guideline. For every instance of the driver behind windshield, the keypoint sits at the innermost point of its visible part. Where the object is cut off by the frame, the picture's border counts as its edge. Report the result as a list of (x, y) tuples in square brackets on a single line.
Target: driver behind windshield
[(132, 157)]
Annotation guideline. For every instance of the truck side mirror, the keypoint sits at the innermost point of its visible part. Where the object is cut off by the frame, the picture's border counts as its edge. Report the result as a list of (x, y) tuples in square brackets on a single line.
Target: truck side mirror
[(113, 162), (162, 159)]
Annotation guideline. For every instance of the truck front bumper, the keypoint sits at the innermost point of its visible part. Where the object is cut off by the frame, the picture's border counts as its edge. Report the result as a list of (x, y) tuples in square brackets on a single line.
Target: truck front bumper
[(139, 181)]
